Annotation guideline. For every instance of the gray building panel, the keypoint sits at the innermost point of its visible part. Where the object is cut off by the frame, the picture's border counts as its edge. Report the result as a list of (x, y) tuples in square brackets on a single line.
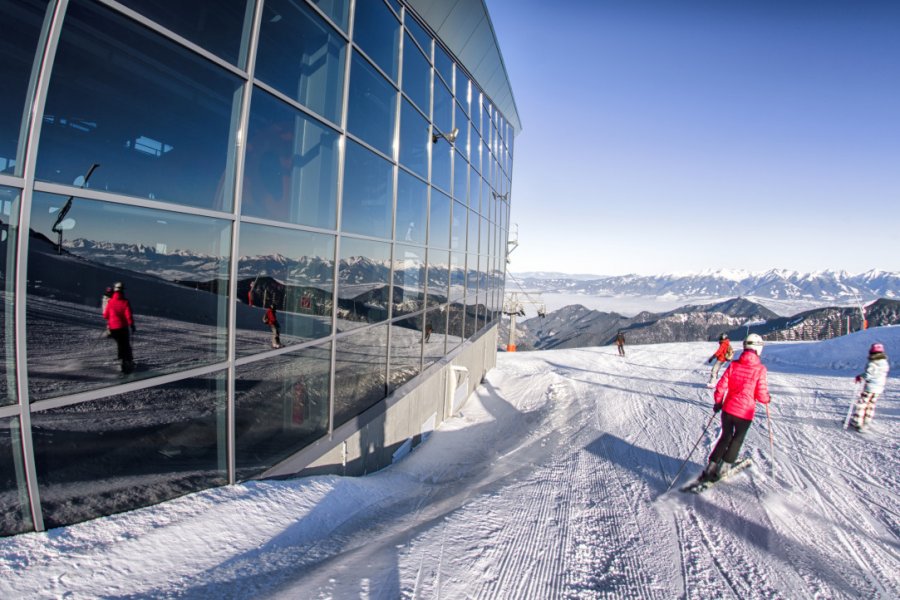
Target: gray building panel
[(465, 28)]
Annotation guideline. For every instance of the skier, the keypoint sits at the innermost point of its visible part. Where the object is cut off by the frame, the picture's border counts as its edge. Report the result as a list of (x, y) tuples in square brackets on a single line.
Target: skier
[(875, 376), (620, 343), (119, 318), (723, 354), (742, 385), (271, 319), (107, 294)]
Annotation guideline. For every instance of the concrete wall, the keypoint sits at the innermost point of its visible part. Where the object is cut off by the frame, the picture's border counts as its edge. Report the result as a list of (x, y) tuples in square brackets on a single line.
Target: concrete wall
[(394, 426)]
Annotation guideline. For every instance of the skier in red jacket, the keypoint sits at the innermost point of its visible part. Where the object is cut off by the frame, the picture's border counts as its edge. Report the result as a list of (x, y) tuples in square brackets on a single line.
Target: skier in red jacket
[(722, 355), (119, 319), (742, 385)]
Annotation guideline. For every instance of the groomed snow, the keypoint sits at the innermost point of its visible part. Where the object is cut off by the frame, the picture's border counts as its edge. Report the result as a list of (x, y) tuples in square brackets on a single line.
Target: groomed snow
[(550, 484)]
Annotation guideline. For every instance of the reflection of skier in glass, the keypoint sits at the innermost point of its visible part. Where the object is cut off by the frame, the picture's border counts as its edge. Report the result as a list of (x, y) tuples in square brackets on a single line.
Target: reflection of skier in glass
[(119, 319), (428, 330), (271, 319)]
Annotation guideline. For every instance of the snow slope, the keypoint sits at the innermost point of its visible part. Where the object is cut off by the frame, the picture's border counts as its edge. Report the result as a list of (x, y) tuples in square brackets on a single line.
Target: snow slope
[(550, 484)]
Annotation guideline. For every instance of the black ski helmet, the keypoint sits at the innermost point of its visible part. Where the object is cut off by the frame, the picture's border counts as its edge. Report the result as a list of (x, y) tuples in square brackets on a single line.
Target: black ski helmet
[(723, 336)]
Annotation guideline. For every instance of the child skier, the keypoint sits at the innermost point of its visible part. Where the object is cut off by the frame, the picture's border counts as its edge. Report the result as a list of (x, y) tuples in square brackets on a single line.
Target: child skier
[(742, 385), (271, 319), (875, 377), (722, 355)]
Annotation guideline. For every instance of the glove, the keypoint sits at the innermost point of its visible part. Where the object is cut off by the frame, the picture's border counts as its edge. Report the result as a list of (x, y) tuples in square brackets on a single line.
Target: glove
[(717, 407), (709, 362), (858, 378)]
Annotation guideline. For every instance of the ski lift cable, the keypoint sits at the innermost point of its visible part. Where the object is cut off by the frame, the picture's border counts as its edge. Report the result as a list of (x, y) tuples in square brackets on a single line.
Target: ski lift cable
[(519, 285)]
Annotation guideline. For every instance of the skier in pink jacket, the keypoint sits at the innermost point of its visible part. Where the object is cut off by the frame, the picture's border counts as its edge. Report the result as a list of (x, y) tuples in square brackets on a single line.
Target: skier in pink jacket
[(742, 385), (117, 313)]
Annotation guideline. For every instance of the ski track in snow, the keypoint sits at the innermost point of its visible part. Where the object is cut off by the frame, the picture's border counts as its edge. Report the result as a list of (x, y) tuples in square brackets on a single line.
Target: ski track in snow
[(550, 484)]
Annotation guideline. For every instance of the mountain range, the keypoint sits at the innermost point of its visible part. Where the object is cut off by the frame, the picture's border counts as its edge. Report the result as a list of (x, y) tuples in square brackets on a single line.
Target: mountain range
[(576, 326), (780, 284)]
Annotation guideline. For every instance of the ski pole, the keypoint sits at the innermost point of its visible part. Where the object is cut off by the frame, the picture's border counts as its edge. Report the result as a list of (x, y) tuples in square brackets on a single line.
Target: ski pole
[(771, 440), (708, 423), (856, 394)]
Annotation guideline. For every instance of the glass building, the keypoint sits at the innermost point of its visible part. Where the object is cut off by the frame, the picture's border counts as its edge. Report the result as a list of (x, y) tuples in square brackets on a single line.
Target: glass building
[(240, 239)]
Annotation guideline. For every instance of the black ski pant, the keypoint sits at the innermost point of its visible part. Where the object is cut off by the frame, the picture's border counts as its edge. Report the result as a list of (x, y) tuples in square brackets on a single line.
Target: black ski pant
[(123, 343), (734, 429)]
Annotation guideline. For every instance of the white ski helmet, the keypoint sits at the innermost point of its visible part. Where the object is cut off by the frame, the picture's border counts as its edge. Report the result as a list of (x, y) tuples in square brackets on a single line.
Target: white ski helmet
[(754, 342)]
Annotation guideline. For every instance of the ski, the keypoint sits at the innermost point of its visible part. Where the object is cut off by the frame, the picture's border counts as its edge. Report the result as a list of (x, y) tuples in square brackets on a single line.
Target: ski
[(700, 486)]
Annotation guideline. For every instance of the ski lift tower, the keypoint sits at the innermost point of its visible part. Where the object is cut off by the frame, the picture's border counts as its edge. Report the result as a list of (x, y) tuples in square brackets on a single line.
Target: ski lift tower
[(512, 305), (864, 324)]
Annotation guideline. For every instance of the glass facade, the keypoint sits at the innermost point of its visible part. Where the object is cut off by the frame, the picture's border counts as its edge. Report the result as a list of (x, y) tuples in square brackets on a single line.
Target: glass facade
[(226, 229)]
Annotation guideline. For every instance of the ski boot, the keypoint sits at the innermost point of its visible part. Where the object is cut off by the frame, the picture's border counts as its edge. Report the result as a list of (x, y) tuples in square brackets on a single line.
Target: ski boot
[(711, 472)]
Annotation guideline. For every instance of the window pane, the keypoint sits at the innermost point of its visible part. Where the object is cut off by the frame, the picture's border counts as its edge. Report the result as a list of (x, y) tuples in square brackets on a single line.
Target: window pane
[(461, 122), (363, 282), (412, 208), (477, 111), (419, 33), (458, 227), (302, 56), (281, 406), (456, 313), (438, 276), (436, 343), (131, 450), (291, 167), (19, 31), (463, 90), (360, 369), (371, 109), (415, 139), (475, 152), (416, 76), (406, 350), (409, 280), (439, 226), (294, 270), (457, 275), (474, 220), (174, 268), (377, 31), (368, 204), (441, 152), (155, 118), (460, 178), (338, 10), (15, 513), (216, 25), (443, 107), (443, 65), (474, 284), (9, 214)]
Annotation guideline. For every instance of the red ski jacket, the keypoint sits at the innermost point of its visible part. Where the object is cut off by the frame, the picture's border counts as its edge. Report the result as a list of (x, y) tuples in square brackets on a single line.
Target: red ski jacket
[(742, 386), (118, 312), (724, 345)]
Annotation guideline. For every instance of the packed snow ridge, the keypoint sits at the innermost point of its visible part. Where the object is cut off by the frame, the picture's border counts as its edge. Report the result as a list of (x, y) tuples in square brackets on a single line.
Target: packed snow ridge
[(551, 483)]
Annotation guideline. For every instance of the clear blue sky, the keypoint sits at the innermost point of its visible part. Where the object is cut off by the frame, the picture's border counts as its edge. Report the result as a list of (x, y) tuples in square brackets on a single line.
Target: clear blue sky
[(675, 136)]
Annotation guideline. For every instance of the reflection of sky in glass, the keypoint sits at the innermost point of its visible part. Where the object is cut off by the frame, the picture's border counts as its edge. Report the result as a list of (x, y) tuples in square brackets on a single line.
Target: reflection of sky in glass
[(107, 222), (260, 240)]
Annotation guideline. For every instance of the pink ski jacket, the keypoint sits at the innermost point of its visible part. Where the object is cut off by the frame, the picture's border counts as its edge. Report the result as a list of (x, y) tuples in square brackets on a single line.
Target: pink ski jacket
[(118, 312), (742, 386)]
